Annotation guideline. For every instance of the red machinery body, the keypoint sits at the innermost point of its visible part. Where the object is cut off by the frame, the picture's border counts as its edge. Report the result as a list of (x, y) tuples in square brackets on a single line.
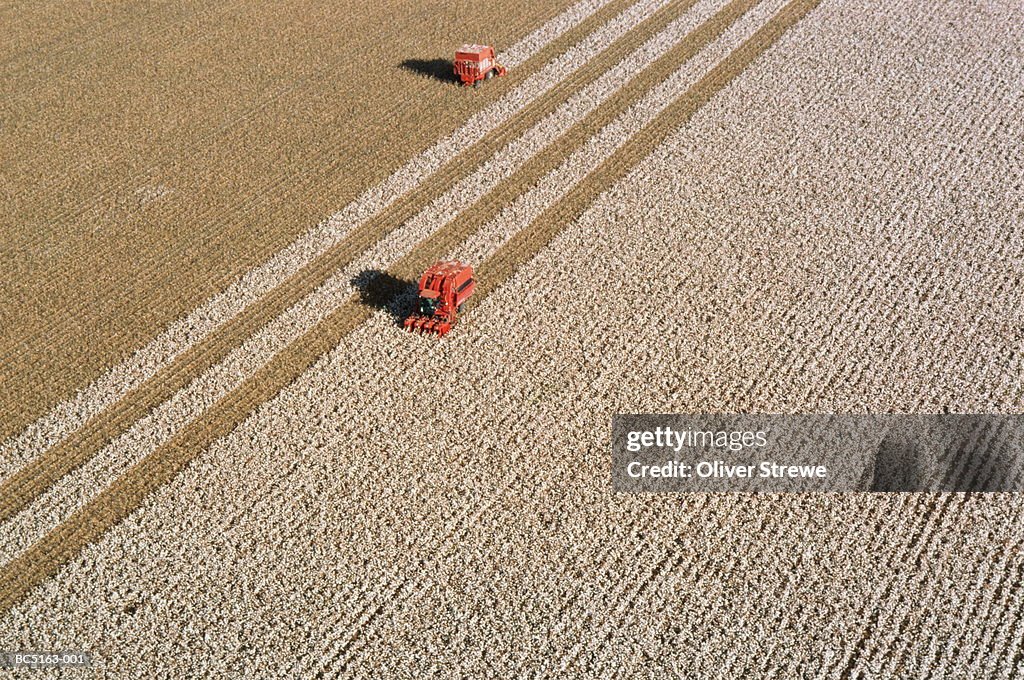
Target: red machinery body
[(444, 288), (474, 63)]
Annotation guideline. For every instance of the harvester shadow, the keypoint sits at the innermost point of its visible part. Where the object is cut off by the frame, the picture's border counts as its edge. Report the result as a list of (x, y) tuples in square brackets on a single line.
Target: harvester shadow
[(381, 290), (438, 69)]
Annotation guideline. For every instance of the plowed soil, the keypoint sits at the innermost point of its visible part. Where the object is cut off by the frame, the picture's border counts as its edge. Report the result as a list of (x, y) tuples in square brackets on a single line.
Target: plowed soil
[(152, 157), (775, 206)]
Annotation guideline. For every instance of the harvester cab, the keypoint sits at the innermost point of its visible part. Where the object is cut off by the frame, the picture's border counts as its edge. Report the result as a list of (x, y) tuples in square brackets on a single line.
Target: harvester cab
[(474, 63), (443, 290)]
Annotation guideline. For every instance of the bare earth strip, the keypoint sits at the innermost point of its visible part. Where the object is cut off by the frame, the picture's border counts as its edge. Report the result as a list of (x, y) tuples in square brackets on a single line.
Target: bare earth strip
[(220, 419), (769, 241), (194, 157), (157, 427), (183, 334)]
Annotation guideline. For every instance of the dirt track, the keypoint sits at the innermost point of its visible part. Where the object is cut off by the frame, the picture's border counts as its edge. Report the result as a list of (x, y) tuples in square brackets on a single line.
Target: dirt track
[(808, 239), (239, 311), (81, 445), (274, 123), (182, 436)]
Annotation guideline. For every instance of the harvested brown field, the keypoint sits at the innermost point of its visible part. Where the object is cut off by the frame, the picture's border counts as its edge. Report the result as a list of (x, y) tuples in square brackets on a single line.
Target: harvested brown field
[(274, 123), (673, 206)]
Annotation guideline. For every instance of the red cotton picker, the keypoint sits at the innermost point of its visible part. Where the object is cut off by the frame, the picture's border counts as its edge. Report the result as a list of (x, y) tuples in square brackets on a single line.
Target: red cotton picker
[(443, 288), (474, 63)]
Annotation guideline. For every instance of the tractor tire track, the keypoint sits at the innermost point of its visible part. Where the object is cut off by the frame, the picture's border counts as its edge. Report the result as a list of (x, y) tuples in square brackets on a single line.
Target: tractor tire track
[(544, 166), (157, 416), (548, 42), (274, 502), (115, 503), (604, 134), (48, 509), (93, 582), (174, 343), (525, 50)]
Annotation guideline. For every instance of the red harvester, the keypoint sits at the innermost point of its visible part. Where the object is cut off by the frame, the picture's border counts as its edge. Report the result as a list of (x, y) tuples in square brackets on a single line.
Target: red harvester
[(444, 288), (474, 63)]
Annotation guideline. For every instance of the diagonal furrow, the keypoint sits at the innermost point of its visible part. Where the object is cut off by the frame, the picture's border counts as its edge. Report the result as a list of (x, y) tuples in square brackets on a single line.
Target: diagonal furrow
[(38, 513), (206, 336), (129, 491), (917, 546), (541, 69)]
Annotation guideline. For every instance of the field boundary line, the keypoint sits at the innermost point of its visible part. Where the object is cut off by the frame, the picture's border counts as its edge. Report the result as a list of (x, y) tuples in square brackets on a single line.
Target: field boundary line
[(120, 499), (72, 414), (285, 327)]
